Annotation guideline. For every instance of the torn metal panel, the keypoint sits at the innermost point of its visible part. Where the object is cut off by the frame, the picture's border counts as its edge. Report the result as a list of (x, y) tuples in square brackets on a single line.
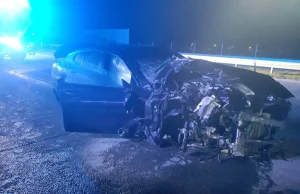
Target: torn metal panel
[(193, 102), (260, 119)]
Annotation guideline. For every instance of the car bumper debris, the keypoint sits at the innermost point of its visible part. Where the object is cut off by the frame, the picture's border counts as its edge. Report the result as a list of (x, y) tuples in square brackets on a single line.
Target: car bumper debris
[(192, 105)]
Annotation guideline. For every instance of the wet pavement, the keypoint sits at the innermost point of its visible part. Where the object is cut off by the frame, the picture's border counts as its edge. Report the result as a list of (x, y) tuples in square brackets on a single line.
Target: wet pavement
[(38, 156)]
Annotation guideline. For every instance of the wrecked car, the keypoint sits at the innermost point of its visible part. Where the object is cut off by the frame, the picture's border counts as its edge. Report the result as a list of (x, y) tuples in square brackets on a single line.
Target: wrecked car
[(155, 94)]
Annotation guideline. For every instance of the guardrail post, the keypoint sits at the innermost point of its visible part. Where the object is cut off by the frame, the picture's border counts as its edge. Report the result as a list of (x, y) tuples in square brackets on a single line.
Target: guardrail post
[(194, 48), (256, 48), (222, 49), (271, 71), (254, 66)]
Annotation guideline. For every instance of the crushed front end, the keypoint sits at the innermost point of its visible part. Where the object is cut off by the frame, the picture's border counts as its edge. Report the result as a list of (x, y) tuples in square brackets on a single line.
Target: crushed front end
[(194, 106)]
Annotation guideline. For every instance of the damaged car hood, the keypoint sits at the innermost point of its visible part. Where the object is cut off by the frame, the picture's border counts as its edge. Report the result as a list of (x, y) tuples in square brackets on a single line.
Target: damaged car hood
[(207, 105), (261, 84)]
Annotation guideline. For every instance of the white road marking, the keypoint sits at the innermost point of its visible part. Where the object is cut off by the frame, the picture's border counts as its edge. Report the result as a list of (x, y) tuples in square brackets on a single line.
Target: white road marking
[(37, 81)]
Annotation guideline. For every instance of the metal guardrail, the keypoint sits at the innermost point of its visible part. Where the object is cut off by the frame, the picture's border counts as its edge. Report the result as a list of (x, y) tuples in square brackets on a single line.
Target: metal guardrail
[(283, 64), (49, 46), (249, 61)]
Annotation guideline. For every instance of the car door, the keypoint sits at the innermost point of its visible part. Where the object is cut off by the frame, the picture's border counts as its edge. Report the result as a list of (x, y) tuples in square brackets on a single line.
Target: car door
[(95, 108)]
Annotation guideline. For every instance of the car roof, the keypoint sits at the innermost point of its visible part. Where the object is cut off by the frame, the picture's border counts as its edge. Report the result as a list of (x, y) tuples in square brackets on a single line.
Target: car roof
[(127, 51)]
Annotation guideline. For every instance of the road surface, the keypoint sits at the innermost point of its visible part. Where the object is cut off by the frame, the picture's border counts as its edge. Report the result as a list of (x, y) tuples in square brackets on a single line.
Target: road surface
[(37, 156)]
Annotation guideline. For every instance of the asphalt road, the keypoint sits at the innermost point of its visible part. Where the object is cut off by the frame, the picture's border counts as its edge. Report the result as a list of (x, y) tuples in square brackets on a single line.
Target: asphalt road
[(37, 156)]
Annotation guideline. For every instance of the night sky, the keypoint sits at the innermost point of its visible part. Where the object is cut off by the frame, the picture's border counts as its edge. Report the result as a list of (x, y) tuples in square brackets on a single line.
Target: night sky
[(237, 22)]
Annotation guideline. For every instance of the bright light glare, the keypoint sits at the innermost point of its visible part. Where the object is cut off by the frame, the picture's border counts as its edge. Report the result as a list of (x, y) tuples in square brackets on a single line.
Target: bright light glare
[(11, 42), (13, 5)]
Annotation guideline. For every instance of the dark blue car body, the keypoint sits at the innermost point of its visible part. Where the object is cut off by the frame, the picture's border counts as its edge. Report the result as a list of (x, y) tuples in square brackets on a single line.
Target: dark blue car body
[(90, 82)]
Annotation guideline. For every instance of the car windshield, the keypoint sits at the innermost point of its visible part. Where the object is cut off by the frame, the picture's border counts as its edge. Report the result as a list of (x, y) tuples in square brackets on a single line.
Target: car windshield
[(150, 59)]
